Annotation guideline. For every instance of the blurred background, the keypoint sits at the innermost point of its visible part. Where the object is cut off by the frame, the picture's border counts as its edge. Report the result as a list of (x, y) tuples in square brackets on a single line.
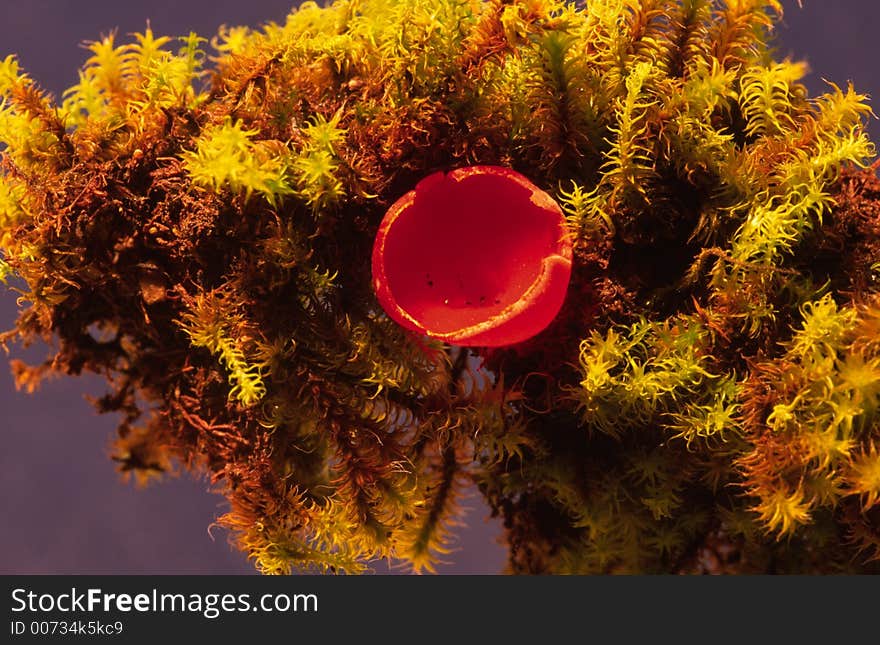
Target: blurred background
[(64, 508)]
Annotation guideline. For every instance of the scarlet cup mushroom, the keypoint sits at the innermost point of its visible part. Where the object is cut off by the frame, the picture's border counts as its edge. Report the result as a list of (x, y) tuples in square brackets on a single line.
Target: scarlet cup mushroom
[(477, 256)]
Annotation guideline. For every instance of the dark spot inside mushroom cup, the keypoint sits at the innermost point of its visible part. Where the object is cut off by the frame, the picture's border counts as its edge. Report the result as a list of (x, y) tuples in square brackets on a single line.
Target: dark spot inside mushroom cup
[(478, 256)]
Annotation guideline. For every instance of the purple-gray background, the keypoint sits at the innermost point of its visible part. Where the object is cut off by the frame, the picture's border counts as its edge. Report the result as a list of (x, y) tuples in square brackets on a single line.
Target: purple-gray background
[(63, 508)]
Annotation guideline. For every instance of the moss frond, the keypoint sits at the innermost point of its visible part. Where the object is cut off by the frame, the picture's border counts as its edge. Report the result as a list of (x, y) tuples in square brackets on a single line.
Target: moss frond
[(211, 323), (226, 156)]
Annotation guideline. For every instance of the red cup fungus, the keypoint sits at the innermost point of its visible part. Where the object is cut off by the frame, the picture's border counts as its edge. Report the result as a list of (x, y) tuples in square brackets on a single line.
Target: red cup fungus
[(478, 256)]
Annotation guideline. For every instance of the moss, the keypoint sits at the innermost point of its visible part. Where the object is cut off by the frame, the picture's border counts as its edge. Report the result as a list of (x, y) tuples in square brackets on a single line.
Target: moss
[(706, 400)]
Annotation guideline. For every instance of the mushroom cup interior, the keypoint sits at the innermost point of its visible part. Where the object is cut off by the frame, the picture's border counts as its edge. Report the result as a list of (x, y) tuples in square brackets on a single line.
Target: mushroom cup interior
[(467, 248)]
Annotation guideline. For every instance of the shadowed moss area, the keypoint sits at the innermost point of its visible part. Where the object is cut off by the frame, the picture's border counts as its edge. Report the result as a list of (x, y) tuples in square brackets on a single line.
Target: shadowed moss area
[(194, 220)]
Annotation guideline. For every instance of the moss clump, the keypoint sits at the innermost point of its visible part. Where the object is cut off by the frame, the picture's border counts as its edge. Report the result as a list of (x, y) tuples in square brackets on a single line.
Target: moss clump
[(198, 229)]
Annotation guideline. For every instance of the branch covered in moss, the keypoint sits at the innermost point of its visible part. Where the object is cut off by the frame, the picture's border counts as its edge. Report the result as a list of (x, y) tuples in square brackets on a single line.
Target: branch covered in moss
[(197, 228)]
